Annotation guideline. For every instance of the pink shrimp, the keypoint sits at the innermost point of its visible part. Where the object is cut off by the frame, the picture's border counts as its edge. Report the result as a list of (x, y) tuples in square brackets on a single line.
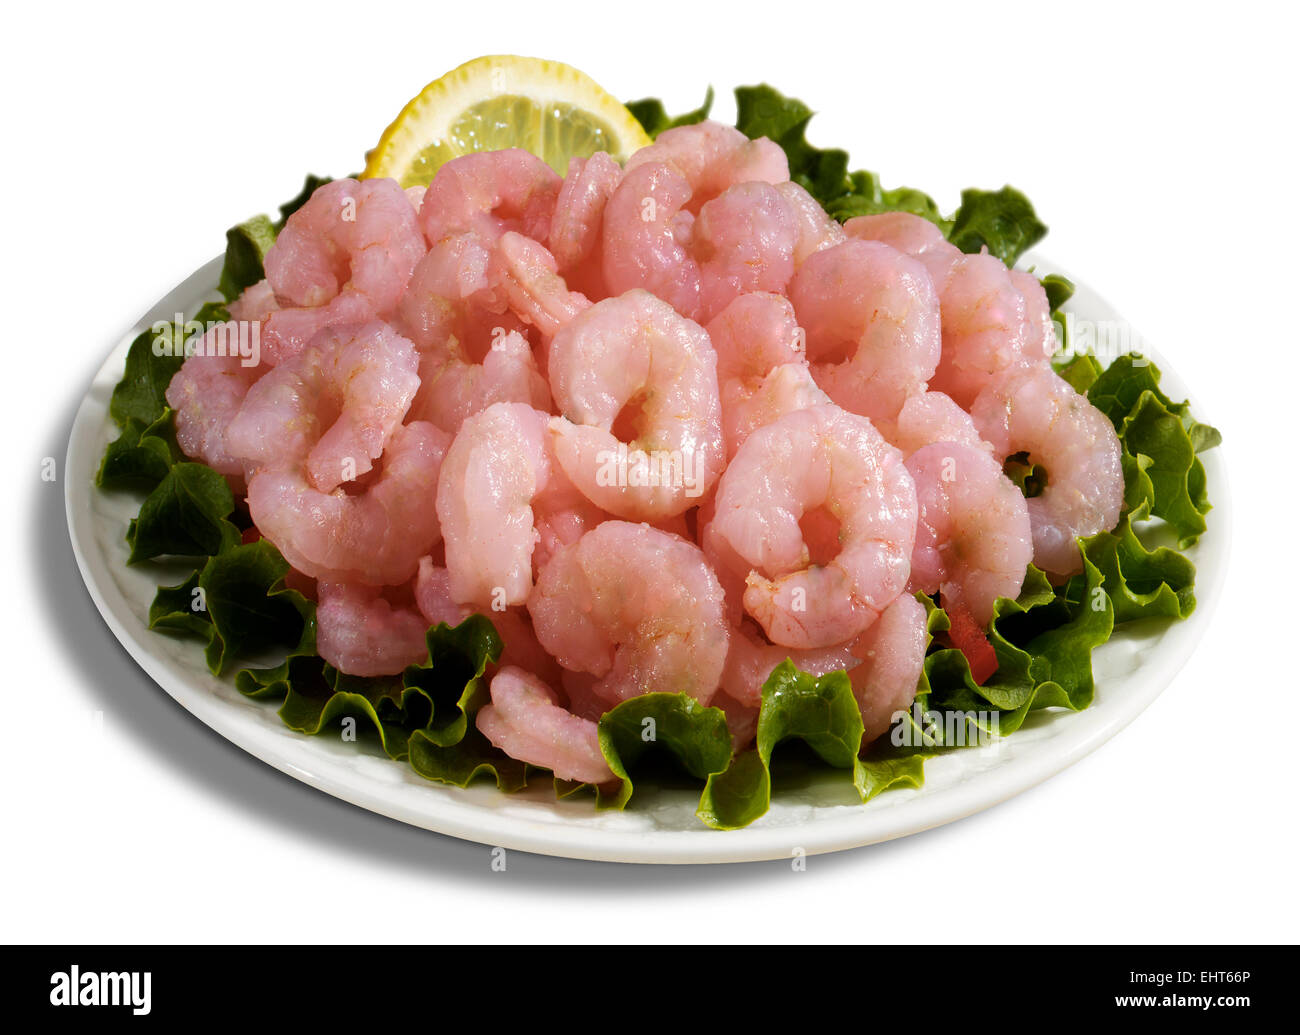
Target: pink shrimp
[(712, 157), (495, 474), (752, 658), (255, 303), (527, 722), (376, 537), (208, 391), (488, 193), (743, 240), (453, 387), (1036, 412), (333, 407), (639, 609), (932, 417), (362, 634), (579, 218), (816, 229), (909, 233), (346, 255), (762, 372), (973, 541), (872, 320), (637, 385), (892, 655), (526, 273), (827, 475)]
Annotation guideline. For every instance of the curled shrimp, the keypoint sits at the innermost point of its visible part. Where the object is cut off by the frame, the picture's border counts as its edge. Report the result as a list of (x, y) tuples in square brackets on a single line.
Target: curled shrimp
[(743, 240), (579, 218), (637, 608), (912, 234), (872, 321), (712, 157), (762, 371), (528, 723), (1036, 412), (496, 486), (332, 407), (453, 387), (973, 540), (816, 229), (361, 633), (376, 536), (641, 434), (818, 513), (892, 654), (527, 275), (488, 193), (207, 392), (928, 418), (346, 255)]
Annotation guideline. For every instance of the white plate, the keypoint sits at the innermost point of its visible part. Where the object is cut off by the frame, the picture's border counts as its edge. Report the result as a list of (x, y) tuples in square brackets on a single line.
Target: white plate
[(821, 815)]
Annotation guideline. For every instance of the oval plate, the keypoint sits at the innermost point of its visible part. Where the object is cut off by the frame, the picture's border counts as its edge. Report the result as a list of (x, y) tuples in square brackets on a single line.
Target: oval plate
[(821, 814)]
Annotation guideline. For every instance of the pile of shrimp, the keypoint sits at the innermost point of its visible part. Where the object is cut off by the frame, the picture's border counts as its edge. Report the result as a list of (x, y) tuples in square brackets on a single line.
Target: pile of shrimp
[(664, 424)]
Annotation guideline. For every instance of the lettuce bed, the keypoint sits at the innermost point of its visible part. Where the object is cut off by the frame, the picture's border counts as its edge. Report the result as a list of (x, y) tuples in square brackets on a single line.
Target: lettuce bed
[(235, 603)]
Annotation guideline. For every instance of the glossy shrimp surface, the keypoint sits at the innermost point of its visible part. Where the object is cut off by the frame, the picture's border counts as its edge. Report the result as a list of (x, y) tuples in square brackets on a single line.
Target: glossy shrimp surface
[(825, 475), (712, 157), (488, 193), (973, 540), (639, 609), (1036, 412), (636, 383)]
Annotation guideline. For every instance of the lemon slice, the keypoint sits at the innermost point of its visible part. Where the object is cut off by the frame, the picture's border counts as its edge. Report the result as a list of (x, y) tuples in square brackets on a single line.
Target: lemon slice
[(545, 107)]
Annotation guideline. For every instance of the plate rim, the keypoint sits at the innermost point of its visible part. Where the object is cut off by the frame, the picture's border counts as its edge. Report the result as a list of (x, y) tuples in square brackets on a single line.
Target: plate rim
[(858, 826)]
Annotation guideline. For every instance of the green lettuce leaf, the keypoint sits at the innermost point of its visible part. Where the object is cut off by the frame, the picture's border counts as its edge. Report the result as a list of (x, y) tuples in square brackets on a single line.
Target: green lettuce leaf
[(186, 515), (695, 736), (1003, 221), (246, 246), (462, 762), (141, 456), (820, 711), (655, 119)]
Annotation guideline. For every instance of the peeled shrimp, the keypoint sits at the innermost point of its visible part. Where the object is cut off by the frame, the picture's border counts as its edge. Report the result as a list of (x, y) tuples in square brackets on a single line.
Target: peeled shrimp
[(637, 385), (488, 193), (743, 240), (362, 634), (892, 654), (762, 372), (579, 217), (816, 229), (526, 273), (711, 157), (932, 417), (453, 387), (872, 320), (973, 540), (333, 407), (347, 254), (1036, 412), (492, 491), (376, 537), (638, 608), (255, 303), (527, 722), (827, 475), (909, 233), (206, 393)]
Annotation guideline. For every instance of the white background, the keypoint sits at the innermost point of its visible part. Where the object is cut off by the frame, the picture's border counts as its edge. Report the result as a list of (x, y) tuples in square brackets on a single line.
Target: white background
[(1159, 146)]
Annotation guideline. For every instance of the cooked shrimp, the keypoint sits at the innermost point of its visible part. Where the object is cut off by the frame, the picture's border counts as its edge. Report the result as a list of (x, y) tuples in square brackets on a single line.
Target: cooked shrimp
[(931, 417), (892, 655), (488, 193), (637, 385), (497, 470), (453, 387), (638, 608), (579, 218), (333, 407), (973, 540), (872, 320), (1036, 412), (712, 157), (995, 320), (817, 230), (822, 474), (346, 254), (362, 634), (646, 235), (762, 372), (206, 393), (752, 658), (743, 240), (912, 234), (527, 722), (376, 537), (255, 303), (526, 273)]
